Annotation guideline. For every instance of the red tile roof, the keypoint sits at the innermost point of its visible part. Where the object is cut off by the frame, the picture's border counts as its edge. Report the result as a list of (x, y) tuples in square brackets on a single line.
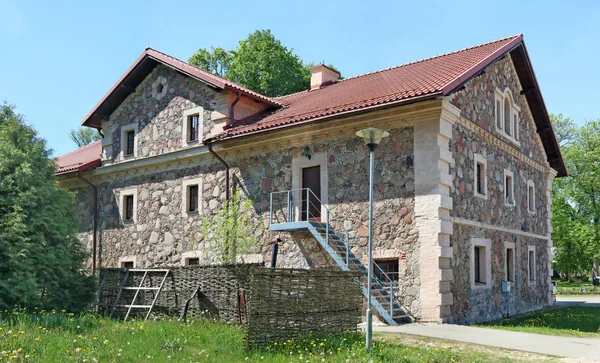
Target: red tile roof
[(84, 158), (428, 77)]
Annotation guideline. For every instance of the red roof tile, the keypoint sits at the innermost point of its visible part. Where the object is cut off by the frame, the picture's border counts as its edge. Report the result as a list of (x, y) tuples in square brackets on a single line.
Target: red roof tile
[(429, 77), (84, 158)]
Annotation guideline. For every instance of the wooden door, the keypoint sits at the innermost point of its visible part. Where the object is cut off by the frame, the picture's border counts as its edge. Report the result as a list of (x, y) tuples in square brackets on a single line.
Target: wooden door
[(311, 179)]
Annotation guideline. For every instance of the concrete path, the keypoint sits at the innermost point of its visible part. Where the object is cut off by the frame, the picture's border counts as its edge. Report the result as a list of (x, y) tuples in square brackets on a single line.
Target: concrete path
[(583, 348), (583, 300)]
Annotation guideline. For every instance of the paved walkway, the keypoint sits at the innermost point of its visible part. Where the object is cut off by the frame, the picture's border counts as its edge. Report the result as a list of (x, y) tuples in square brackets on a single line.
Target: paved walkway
[(583, 300), (583, 348)]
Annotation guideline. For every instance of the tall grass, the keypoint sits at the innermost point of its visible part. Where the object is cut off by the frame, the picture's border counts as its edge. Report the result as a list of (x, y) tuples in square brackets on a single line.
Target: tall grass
[(60, 337)]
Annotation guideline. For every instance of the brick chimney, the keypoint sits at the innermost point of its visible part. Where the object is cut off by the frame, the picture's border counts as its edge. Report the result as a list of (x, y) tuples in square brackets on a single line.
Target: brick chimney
[(322, 76)]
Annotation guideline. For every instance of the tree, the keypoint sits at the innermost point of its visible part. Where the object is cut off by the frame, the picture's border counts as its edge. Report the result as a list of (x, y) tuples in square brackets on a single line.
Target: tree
[(42, 259), (564, 128), (260, 63), (231, 231), (84, 136), (217, 61)]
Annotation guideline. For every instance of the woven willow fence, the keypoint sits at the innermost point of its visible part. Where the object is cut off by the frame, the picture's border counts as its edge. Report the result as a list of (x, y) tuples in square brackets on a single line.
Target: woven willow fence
[(289, 303), (272, 304), (221, 291)]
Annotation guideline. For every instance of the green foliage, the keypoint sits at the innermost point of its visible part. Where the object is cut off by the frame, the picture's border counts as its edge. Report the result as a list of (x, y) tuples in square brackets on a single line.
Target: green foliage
[(57, 337), (41, 257), (260, 63), (217, 61), (576, 206), (84, 136), (231, 231), (575, 321)]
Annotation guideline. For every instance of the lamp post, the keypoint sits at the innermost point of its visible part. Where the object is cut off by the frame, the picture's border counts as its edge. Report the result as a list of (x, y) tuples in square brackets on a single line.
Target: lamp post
[(372, 137)]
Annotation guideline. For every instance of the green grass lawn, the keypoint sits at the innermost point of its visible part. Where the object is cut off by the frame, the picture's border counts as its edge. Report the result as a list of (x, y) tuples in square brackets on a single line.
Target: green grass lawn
[(575, 321), (576, 288), (52, 337)]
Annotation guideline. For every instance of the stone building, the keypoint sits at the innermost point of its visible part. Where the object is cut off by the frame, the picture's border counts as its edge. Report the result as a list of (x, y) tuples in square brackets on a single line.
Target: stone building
[(462, 188)]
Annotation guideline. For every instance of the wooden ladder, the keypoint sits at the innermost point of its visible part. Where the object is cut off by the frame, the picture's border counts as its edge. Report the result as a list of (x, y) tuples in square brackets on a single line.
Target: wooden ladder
[(139, 288)]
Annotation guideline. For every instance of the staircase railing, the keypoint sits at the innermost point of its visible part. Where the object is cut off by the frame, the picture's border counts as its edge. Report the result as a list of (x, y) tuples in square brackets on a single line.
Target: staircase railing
[(287, 207)]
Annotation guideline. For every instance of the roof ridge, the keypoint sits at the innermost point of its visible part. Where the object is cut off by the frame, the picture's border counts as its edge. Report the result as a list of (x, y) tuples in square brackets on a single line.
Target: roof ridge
[(429, 58), (223, 80)]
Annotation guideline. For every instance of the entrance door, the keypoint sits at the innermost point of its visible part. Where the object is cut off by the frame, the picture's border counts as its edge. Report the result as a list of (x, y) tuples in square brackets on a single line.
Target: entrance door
[(311, 179)]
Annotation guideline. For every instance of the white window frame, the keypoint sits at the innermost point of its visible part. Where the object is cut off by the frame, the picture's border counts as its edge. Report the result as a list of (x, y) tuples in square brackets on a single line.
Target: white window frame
[(185, 257), (531, 184), (529, 279), (124, 259), (121, 198), (513, 134), (185, 184), (512, 188), (124, 130), (480, 159), (487, 262), (185, 127), (510, 246)]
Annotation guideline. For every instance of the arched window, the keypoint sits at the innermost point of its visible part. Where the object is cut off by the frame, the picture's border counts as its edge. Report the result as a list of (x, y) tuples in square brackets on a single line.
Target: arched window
[(498, 114), (507, 116), (516, 125)]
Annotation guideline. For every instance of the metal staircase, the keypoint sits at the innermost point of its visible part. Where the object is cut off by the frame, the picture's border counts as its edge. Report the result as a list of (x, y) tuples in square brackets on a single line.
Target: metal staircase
[(300, 210)]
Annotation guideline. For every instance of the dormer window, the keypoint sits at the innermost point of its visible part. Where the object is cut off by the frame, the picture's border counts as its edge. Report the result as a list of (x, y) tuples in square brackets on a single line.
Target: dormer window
[(507, 115)]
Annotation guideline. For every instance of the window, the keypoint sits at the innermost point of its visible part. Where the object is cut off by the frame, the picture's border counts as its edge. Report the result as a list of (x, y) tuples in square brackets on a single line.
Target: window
[(193, 198), (509, 198), (531, 263), (192, 261), (127, 205), (480, 176), (389, 267), (507, 120), (509, 261), (129, 142), (530, 196), (480, 263), (506, 114), (127, 264), (128, 208), (193, 127)]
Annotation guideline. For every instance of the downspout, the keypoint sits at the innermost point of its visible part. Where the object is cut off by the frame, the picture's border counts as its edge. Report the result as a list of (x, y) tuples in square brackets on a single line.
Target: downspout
[(226, 170), (232, 110), (95, 221)]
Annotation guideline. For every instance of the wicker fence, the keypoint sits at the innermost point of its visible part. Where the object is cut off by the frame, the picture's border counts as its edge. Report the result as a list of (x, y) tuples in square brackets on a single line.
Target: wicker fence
[(287, 303), (210, 291), (272, 304)]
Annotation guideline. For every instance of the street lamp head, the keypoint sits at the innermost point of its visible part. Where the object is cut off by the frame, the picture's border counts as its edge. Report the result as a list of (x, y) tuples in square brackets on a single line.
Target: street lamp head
[(372, 136)]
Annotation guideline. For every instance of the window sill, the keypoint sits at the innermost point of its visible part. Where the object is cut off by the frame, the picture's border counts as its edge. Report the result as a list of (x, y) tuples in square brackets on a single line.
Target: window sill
[(128, 222), (192, 214), (508, 137), (509, 204), (532, 212), (482, 196), (480, 285)]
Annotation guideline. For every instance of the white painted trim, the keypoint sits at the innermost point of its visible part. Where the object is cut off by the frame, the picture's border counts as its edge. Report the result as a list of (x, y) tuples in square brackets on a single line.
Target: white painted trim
[(480, 159), (124, 130), (185, 256), (487, 262), (507, 246), (501, 96), (531, 282), (184, 125), (131, 258), (531, 184), (471, 223), (300, 162), (185, 184), (121, 198), (512, 189)]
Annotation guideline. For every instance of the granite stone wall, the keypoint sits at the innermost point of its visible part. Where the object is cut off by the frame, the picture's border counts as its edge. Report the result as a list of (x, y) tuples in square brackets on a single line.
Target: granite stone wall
[(475, 133), (162, 233)]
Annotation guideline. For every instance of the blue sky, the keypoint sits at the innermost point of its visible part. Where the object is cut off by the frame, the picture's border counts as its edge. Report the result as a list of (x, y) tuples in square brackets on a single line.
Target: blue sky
[(58, 58)]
